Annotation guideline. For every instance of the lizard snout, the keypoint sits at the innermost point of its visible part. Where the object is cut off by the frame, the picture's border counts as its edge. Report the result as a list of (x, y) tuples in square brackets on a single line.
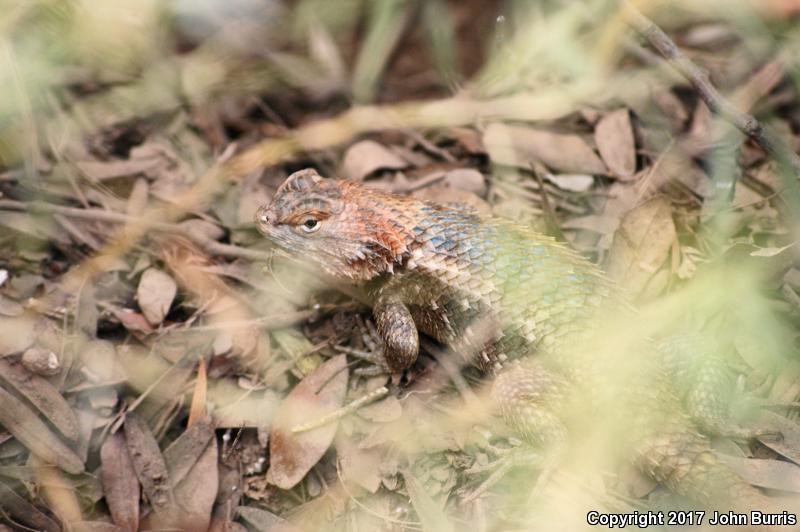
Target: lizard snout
[(262, 219)]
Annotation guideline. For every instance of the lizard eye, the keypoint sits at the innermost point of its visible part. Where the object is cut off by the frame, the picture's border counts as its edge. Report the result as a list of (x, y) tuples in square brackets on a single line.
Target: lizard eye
[(310, 225)]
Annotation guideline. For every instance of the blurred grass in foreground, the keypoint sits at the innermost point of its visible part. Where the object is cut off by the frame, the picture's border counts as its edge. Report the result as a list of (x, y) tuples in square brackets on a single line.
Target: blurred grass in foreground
[(84, 81)]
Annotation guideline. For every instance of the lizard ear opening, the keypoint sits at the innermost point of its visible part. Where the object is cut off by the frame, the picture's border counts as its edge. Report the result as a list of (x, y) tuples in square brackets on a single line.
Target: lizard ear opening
[(302, 180)]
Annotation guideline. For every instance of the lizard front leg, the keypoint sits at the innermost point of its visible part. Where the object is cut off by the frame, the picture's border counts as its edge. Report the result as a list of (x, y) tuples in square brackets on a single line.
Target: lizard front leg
[(397, 330)]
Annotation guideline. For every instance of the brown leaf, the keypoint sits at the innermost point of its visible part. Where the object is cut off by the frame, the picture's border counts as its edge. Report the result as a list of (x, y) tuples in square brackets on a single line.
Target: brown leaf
[(766, 473), (31, 432), (264, 521), (614, 138), (519, 146), (187, 449), (16, 334), (120, 486), (25, 512), (132, 321), (789, 443), (149, 464), (43, 396), (196, 493), (642, 244), (292, 454), (95, 526), (155, 294), (365, 157)]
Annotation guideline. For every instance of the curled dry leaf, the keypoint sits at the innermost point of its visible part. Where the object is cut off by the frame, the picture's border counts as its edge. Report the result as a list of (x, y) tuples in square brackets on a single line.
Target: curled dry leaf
[(155, 294), (614, 138), (642, 244), (31, 432), (519, 146), (120, 485), (43, 395), (365, 157), (292, 454)]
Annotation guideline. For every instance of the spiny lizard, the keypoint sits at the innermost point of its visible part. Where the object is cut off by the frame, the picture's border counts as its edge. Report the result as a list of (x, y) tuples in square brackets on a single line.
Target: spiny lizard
[(518, 305)]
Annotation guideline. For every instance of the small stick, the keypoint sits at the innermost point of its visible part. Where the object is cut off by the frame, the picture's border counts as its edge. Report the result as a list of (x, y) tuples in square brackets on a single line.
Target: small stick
[(339, 413), (211, 246), (744, 122)]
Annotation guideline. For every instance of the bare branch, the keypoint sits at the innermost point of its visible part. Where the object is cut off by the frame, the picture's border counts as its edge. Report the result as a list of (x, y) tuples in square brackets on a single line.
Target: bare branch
[(746, 123), (210, 246)]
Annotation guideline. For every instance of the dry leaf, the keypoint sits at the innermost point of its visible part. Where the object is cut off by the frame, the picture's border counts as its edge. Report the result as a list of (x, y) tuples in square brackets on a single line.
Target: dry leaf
[(467, 179), (520, 146), (366, 157), (430, 513), (16, 334), (155, 294), (571, 182), (642, 244), (133, 321), (614, 138), (43, 395), (196, 493), (186, 450), (120, 485), (772, 474), (293, 454), (264, 521), (149, 464), (25, 512), (31, 432)]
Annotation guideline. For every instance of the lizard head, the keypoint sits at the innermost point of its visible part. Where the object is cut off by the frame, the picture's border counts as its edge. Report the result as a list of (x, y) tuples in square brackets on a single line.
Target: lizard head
[(344, 227)]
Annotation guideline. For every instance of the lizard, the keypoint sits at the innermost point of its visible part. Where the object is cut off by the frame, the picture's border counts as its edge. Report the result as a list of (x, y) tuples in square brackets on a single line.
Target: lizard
[(518, 305)]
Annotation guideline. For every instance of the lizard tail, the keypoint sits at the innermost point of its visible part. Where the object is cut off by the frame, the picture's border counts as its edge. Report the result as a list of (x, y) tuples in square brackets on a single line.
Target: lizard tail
[(683, 462)]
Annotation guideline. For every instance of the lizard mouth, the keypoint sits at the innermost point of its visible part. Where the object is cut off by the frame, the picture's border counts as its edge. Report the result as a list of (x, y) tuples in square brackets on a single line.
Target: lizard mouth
[(262, 220)]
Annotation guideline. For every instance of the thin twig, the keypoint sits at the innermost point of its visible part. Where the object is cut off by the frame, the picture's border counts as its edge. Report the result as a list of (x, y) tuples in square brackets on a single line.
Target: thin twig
[(339, 413), (207, 244), (744, 122)]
